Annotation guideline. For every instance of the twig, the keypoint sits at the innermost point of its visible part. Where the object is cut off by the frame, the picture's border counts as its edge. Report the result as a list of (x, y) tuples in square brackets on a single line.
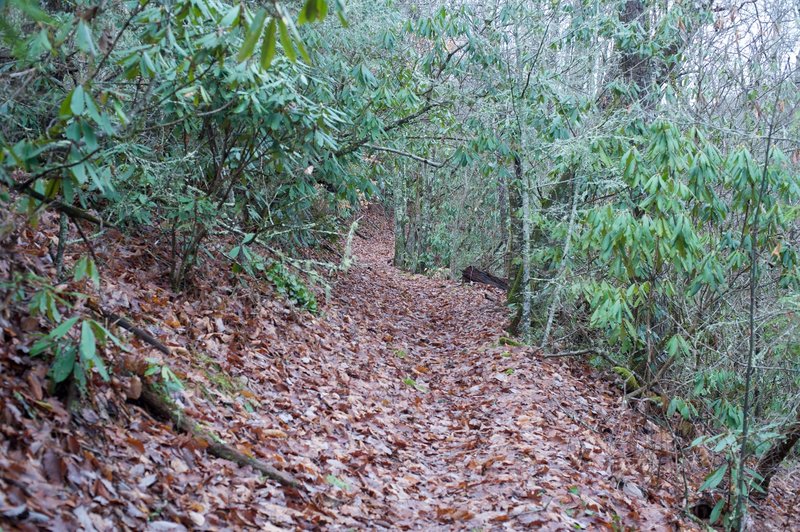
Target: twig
[(87, 242), (576, 353), (648, 385), (63, 223), (141, 334), (164, 407), (435, 164), (69, 210), (19, 187), (397, 124), (113, 45)]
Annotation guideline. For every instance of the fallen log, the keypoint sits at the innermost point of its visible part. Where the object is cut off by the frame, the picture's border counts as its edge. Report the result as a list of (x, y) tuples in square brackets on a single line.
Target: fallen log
[(474, 275)]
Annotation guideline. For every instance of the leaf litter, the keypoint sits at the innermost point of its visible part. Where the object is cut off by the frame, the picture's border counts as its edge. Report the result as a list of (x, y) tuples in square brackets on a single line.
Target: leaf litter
[(397, 407)]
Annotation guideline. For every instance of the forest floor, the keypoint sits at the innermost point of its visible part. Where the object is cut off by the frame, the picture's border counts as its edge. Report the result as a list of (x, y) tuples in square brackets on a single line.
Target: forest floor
[(397, 407)]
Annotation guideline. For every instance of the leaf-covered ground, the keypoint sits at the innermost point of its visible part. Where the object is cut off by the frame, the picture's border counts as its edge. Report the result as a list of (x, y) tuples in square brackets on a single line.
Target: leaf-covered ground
[(396, 408)]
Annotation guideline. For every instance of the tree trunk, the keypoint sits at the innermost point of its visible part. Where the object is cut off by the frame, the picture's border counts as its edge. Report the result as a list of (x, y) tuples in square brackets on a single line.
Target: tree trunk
[(400, 220), (525, 324), (515, 258), (635, 67), (505, 222)]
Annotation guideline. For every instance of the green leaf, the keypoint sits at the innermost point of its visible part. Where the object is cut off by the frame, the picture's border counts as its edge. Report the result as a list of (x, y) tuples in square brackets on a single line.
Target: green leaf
[(32, 10), (713, 480), (63, 329), (88, 345), (727, 441), (79, 172), (268, 45), (629, 161), (336, 481), (65, 111), (63, 364), (78, 101), (677, 345), (322, 9), (80, 377), (101, 368), (81, 268), (298, 40), (52, 309), (84, 40), (106, 334), (340, 13), (88, 350), (148, 64), (673, 405), (310, 12), (253, 33), (94, 275), (56, 334), (286, 42), (92, 110), (717, 511), (230, 18)]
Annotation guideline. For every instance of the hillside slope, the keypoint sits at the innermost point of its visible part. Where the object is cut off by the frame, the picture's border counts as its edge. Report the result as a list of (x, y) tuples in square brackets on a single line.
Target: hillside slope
[(395, 408)]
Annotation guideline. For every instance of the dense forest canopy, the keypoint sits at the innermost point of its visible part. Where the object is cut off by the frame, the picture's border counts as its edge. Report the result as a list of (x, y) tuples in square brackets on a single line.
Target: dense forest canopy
[(629, 167)]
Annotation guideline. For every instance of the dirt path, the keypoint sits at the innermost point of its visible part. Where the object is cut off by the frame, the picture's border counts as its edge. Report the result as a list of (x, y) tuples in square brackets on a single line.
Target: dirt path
[(484, 435), (395, 409)]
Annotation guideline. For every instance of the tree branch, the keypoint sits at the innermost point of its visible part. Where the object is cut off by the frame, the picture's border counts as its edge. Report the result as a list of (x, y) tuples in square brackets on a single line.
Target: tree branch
[(398, 124), (435, 164)]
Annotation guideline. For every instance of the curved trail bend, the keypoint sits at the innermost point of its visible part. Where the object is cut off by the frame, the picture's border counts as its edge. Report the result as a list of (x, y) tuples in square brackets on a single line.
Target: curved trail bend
[(446, 429)]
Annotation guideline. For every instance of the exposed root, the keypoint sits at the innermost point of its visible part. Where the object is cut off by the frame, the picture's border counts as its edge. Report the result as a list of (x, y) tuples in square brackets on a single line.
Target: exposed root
[(161, 405)]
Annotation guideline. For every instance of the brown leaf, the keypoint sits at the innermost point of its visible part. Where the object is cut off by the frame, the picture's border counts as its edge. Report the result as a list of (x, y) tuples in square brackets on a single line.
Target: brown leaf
[(35, 386), (134, 389), (136, 444), (53, 466), (178, 465), (148, 481), (273, 433)]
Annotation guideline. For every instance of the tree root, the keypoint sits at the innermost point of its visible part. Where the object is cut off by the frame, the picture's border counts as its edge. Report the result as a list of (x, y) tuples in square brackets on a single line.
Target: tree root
[(161, 405), (505, 340), (630, 378)]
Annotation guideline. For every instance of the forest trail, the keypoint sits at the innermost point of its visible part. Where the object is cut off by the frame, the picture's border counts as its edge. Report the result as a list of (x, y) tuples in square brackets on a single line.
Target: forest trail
[(485, 435), (185, 343), (394, 408)]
